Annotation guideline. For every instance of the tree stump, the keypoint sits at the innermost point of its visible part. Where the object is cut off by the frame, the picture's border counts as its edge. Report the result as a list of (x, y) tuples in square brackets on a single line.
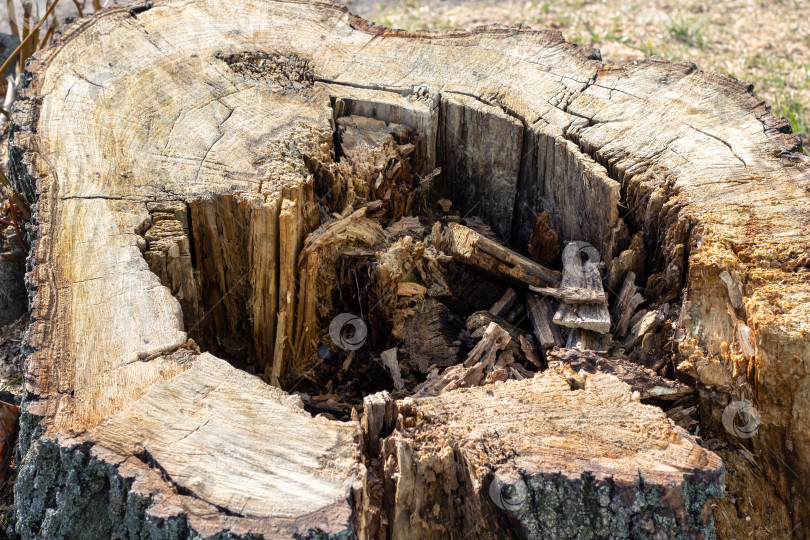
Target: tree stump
[(184, 155)]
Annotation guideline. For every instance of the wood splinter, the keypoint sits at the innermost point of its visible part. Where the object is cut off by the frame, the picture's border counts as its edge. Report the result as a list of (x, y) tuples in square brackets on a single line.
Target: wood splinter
[(574, 295), (546, 332), (641, 379), (582, 274), (470, 247), (479, 368)]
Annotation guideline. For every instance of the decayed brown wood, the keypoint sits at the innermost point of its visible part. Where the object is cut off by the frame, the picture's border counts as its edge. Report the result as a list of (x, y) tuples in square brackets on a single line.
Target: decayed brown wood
[(406, 226), (470, 247), (479, 367), (235, 116), (478, 322), (430, 334), (503, 306), (528, 348), (544, 244), (630, 260), (641, 379), (316, 278), (511, 455)]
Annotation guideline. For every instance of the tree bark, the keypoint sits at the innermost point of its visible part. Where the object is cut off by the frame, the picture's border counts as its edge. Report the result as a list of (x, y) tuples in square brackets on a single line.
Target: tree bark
[(177, 184)]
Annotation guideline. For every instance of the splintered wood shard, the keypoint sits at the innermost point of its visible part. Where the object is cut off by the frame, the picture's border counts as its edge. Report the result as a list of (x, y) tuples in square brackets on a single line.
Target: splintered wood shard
[(470, 247), (546, 332), (641, 379), (203, 170), (476, 370), (581, 271), (573, 295), (625, 306)]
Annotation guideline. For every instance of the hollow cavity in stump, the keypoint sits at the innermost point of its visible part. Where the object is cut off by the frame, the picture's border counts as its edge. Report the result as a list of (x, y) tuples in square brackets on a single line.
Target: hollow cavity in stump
[(350, 287)]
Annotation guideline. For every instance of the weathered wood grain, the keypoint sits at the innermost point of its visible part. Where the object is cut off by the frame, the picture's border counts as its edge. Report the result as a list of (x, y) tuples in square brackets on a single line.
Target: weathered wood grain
[(580, 271), (627, 301), (574, 295), (470, 247), (540, 315), (512, 455), (641, 379)]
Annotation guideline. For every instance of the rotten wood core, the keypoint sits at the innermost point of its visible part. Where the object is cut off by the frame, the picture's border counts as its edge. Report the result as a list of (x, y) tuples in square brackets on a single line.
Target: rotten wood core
[(302, 214), (380, 255)]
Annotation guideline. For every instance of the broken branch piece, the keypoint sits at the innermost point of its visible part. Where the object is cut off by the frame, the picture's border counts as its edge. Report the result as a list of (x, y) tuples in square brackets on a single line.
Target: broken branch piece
[(470, 247)]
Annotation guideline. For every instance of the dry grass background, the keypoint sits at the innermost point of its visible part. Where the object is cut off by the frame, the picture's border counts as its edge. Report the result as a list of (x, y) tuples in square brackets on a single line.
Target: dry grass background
[(764, 42)]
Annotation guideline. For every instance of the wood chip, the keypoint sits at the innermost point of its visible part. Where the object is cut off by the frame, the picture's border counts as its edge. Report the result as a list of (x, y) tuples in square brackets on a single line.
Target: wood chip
[(528, 348), (503, 306), (573, 295), (474, 370), (648, 324), (626, 304), (409, 288), (546, 332), (406, 226), (389, 360)]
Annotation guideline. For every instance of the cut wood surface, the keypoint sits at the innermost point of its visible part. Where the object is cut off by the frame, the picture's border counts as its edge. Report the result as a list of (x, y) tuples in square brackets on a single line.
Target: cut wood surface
[(516, 451), (230, 109)]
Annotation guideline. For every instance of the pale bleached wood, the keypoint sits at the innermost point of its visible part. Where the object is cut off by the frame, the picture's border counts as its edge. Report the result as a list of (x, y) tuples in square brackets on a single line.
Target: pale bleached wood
[(182, 425), (627, 301), (586, 340), (582, 274), (540, 315), (647, 324), (573, 295)]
